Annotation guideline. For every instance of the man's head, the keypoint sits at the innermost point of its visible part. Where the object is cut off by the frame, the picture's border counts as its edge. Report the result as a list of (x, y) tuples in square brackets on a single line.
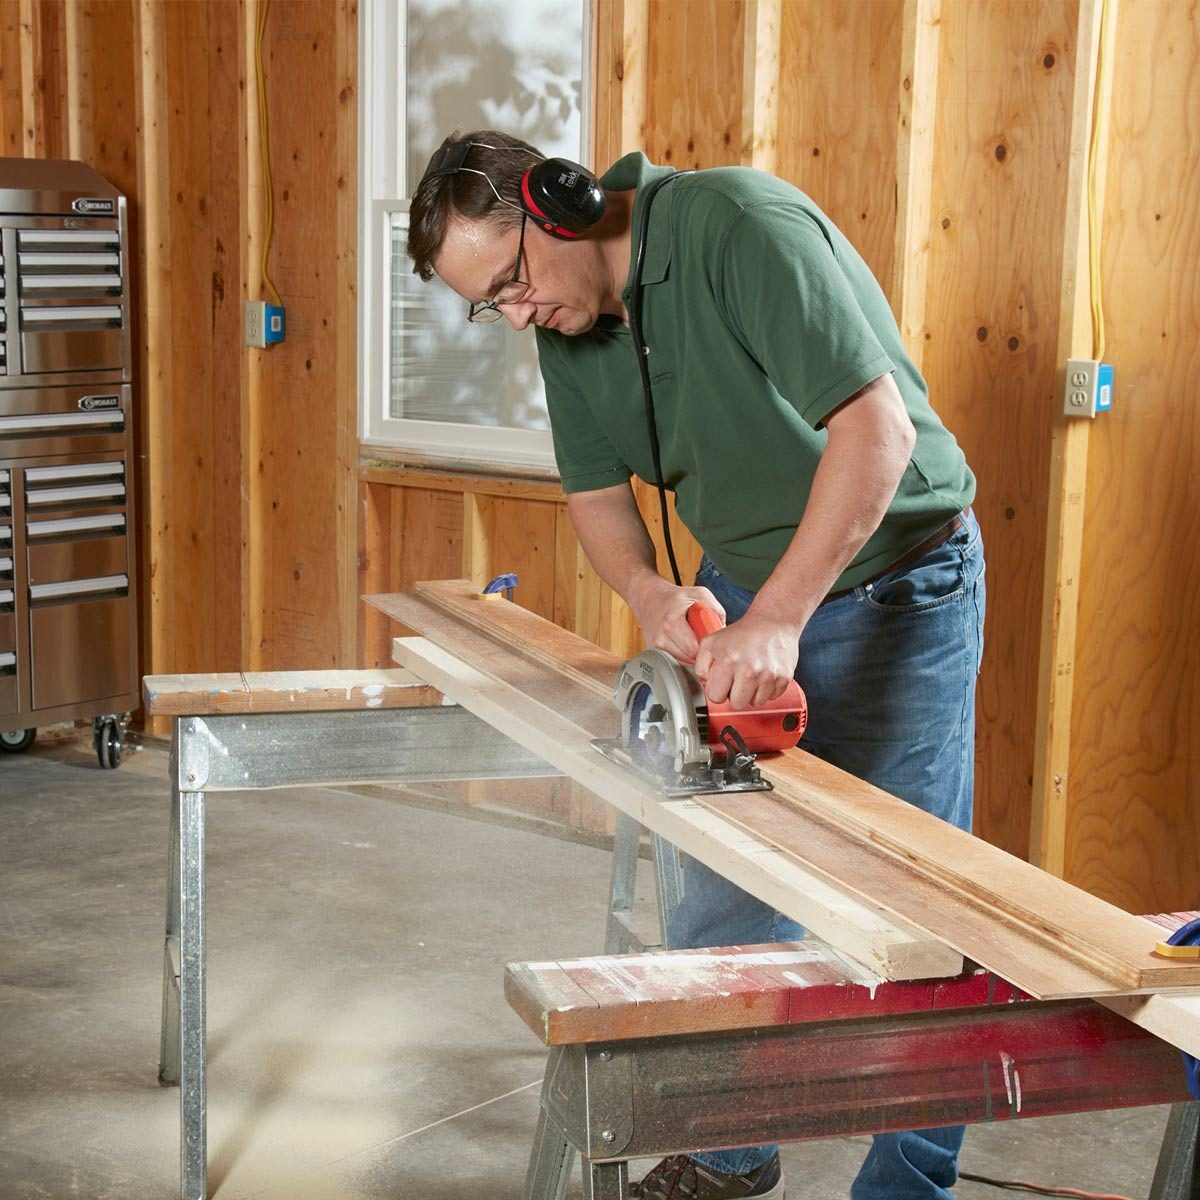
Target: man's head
[(469, 228)]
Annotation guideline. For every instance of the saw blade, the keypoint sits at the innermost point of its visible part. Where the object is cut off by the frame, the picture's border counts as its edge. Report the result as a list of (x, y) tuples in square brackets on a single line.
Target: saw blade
[(651, 734)]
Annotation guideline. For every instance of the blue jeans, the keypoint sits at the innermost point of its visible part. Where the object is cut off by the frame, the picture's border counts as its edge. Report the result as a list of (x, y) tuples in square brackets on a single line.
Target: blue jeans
[(889, 671)]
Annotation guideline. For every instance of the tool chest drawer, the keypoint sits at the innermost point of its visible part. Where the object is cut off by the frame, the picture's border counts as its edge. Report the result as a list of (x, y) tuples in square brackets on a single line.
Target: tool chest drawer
[(56, 562), (80, 650)]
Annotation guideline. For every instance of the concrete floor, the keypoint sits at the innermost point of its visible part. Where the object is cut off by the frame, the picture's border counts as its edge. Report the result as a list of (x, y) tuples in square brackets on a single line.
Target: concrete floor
[(359, 1042)]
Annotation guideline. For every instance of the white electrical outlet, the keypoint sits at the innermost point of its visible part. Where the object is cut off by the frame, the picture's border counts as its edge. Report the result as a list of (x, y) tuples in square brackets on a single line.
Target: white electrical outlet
[(254, 322), (1089, 387)]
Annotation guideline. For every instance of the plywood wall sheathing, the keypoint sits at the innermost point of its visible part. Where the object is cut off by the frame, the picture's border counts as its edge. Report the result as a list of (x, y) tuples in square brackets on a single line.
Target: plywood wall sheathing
[(1133, 822), (840, 80), (992, 304)]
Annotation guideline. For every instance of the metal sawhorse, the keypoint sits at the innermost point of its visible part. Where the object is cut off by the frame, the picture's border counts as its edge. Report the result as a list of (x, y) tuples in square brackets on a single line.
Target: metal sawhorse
[(314, 729)]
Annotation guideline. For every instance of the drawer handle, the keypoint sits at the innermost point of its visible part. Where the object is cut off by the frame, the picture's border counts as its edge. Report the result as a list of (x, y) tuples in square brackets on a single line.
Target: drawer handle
[(80, 312), (105, 280), (7, 597), (34, 424), (77, 587), (75, 525), (94, 491), (7, 659), (31, 237), (84, 258), (81, 471)]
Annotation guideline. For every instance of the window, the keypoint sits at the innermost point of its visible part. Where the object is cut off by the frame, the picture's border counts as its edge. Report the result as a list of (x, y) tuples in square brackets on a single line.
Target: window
[(428, 380)]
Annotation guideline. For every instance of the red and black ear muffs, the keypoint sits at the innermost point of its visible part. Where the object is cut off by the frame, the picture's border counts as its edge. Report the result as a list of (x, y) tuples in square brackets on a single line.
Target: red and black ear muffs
[(565, 199)]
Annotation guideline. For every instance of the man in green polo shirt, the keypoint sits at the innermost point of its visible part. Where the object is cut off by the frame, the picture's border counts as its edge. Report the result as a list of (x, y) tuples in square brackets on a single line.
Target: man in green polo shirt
[(831, 503)]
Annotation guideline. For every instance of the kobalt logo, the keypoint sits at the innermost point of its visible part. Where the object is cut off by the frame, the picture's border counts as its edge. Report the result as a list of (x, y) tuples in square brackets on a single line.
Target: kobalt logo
[(91, 403), (94, 206)]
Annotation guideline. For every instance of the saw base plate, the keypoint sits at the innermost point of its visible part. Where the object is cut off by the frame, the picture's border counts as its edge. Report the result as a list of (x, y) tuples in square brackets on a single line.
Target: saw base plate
[(705, 781)]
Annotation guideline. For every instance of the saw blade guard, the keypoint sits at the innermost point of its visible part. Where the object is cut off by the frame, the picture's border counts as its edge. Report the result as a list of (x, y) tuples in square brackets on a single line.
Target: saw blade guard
[(656, 695)]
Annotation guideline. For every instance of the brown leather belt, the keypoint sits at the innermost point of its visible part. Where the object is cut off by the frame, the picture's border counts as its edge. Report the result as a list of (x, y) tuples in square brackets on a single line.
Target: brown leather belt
[(935, 539)]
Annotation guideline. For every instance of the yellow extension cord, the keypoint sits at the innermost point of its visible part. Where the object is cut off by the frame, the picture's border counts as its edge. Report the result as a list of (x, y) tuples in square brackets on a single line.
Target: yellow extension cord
[(264, 129), (1093, 221)]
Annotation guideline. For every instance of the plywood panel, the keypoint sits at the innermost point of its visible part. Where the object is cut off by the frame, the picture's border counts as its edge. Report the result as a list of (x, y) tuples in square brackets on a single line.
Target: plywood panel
[(840, 67), (1004, 85), (1134, 801), (694, 107)]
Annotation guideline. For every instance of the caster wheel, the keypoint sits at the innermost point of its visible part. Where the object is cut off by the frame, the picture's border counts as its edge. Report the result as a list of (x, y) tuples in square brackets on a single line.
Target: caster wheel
[(106, 735), (17, 740)]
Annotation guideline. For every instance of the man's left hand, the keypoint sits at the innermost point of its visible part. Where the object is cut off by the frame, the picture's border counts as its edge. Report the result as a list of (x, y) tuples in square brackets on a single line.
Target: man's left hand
[(750, 662)]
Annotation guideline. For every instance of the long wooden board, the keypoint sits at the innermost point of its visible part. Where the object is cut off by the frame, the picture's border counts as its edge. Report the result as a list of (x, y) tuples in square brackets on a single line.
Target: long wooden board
[(1047, 937), (283, 691), (561, 731)]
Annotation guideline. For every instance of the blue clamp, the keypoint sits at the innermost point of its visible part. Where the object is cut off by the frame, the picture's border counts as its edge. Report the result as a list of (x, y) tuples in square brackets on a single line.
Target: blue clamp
[(1187, 935), (502, 583)]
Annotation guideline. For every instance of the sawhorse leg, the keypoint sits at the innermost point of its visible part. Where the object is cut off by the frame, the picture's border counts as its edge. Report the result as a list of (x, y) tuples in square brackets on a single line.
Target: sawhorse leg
[(552, 1157), (1177, 1176), (181, 1057), (621, 936)]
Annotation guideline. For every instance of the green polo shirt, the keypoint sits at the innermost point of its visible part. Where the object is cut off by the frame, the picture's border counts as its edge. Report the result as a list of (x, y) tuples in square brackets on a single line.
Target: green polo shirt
[(761, 319)]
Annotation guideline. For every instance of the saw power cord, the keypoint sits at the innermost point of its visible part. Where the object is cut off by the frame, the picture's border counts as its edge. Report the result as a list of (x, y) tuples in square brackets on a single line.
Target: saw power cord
[(639, 346), (1017, 1185), (264, 130)]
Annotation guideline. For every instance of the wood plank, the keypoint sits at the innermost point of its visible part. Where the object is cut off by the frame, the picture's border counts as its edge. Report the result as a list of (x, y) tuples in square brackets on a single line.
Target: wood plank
[(1042, 934), (914, 170), (345, 321), (760, 84), (478, 525), (284, 691), (153, 325), (28, 78), (560, 726), (575, 657), (257, 532), (588, 1000), (1069, 449), (1092, 931), (451, 481), (11, 138)]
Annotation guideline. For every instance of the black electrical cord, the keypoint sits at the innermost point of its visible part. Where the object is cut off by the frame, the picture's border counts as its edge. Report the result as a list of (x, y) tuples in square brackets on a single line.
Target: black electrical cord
[(635, 329)]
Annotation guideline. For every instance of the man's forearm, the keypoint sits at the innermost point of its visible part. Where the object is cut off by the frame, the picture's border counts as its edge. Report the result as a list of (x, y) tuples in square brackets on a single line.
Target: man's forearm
[(615, 539), (856, 481)]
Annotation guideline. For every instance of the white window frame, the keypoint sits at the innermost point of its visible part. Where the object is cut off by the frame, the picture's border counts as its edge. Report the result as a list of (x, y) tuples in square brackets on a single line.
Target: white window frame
[(382, 174)]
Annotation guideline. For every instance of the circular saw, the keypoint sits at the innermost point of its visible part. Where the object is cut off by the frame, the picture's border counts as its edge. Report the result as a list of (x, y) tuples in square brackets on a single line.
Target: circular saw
[(673, 735)]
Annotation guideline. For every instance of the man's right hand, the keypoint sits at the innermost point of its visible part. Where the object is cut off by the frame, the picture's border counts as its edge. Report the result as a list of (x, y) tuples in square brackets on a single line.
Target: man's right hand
[(661, 610)]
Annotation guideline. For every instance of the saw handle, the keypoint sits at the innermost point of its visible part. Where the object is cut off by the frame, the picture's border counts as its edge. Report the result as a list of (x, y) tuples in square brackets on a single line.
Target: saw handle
[(704, 620)]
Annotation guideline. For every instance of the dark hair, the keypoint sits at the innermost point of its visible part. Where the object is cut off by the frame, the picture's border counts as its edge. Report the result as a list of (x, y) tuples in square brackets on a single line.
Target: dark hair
[(437, 197)]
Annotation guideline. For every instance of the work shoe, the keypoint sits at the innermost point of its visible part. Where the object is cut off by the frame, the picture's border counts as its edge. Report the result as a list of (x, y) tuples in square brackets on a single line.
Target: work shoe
[(682, 1178)]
